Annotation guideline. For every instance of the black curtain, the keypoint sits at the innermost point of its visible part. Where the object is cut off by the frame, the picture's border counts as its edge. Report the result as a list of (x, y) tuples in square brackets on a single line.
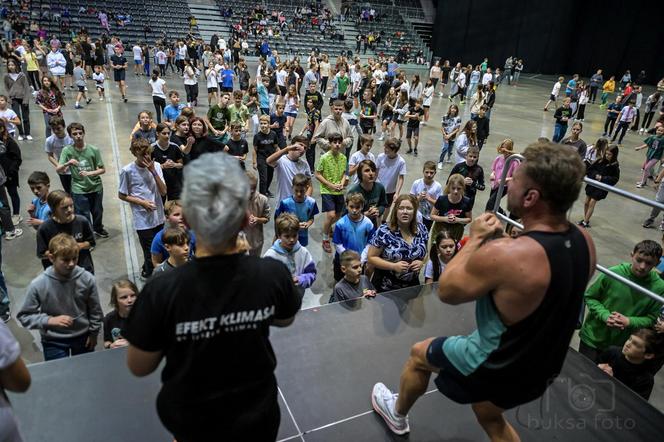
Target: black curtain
[(553, 37)]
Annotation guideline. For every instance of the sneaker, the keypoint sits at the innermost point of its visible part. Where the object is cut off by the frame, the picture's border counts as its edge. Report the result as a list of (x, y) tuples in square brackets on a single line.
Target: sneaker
[(20, 138), (28, 137), (88, 101), (102, 233), (639, 185), (382, 137), (269, 194), (415, 152), (78, 106), (661, 227), (125, 99), (101, 98), (327, 246), (440, 166), (462, 102), (383, 402), (15, 234), (448, 161), (545, 110), (145, 275), (409, 151), (5, 317), (582, 223), (648, 224), (16, 219)]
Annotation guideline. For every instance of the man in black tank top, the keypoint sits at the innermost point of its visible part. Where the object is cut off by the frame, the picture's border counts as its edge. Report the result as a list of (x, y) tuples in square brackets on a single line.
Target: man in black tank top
[(528, 292)]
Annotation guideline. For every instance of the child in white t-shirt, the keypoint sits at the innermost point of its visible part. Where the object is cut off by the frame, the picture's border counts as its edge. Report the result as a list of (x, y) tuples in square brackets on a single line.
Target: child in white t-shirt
[(142, 186), (366, 142), (426, 190), (391, 169), (11, 119), (99, 78)]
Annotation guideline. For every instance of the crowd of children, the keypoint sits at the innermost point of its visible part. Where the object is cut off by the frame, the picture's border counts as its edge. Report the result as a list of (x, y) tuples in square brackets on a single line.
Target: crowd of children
[(381, 237)]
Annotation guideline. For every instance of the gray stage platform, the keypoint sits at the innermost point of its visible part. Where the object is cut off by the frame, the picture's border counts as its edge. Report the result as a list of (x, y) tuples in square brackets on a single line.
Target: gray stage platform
[(328, 361)]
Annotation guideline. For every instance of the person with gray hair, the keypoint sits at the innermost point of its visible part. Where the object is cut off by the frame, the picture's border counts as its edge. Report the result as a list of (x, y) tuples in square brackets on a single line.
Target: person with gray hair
[(210, 318)]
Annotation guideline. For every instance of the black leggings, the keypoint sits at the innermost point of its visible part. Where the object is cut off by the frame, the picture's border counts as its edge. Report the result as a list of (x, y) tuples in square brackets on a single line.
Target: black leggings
[(33, 77), (159, 105), (162, 69), (12, 190), (323, 84), (608, 124), (647, 119), (22, 109), (5, 213), (192, 92)]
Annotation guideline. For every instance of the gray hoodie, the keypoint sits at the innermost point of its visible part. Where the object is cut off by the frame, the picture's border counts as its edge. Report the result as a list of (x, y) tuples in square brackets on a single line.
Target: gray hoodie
[(51, 294)]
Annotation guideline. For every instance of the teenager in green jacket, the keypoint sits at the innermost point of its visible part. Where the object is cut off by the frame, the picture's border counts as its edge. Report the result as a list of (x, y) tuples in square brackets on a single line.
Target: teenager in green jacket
[(615, 310)]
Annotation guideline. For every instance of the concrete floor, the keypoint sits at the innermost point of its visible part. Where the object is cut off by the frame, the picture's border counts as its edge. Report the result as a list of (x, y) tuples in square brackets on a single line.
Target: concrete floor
[(517, 115)]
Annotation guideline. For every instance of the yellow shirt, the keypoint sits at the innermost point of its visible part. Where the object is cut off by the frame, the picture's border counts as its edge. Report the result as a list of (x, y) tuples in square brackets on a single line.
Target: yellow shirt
[(31, 61), (609, 86)]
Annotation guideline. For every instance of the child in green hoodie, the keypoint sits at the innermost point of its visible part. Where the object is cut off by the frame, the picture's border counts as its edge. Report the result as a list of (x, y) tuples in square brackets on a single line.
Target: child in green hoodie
[(614, 309)]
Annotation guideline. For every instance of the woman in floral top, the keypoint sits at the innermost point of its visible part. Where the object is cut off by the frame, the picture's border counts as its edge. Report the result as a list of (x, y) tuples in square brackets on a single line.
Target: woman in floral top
[(49, 99), (398, 248)]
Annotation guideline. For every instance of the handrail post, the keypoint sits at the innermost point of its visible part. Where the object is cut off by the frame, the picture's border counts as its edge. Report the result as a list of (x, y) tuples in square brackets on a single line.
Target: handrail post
[(503, 178)]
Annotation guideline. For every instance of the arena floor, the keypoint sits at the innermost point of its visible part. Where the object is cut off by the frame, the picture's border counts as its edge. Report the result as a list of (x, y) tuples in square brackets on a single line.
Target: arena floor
[(616, 225)]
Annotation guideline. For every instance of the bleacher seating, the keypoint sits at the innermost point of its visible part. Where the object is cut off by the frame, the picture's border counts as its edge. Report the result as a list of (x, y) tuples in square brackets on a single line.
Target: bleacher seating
[(291, 41), (170, 17)]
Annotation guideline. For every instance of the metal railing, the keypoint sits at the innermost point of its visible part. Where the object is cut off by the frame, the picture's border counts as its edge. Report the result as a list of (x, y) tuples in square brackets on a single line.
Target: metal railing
[(600, 185)]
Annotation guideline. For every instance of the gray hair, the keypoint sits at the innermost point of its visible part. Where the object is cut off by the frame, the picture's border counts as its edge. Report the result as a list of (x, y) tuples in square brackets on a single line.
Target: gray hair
[(215, 198)]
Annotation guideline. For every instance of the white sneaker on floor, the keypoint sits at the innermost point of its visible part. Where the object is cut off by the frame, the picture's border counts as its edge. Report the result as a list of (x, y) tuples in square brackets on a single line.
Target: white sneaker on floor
[(440, 166), (382, 137), (19, 138), (15, 234), (383, 402), (16, 219), (28, 137)]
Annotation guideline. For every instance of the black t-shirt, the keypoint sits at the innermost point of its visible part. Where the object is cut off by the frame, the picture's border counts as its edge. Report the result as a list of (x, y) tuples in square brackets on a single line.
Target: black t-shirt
[(172, 177), (445, 207), (368, 108), (118, 60), (316, 97), (414, 122), (114, 326), (265, 144), (203, 145), (238, 148), (80, 229), (635, 376), (210, 318), (281, 119)]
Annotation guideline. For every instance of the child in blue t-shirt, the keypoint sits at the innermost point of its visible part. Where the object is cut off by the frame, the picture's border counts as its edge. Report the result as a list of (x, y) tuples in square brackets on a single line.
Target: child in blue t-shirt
[(352, 231), (301, 205), (174, 218), (172, 111), (39, 210)]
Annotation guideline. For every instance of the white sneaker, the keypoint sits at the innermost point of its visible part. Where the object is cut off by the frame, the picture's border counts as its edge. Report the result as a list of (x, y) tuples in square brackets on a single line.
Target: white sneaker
[(28, 137), (20, 138), (440, 166), (641, 130), (16, 219), (383, 402), (382, 137), (15, 234), (101, 98)]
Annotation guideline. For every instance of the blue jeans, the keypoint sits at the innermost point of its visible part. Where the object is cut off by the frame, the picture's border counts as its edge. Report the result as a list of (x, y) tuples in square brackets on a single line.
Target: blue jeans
[(90, 206), (445, 147), (559, 132), (471, 89), (63, 348)]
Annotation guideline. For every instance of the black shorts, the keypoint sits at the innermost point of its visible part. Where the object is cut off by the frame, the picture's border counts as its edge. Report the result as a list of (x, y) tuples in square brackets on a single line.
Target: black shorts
[(472, 389), (552, 97), (388, 117), (81, 88), (334, 203), (212, 89), (119, 75), (410, 131)]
